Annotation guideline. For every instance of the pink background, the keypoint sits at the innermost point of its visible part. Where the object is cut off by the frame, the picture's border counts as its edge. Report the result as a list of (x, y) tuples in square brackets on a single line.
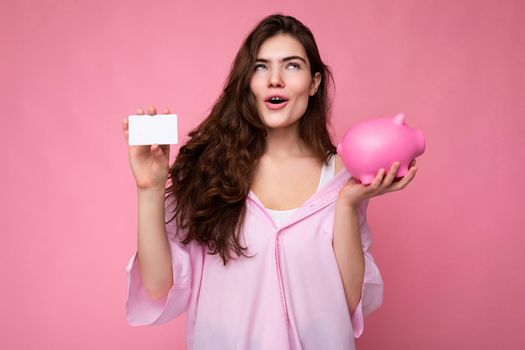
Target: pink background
[(449, 246)]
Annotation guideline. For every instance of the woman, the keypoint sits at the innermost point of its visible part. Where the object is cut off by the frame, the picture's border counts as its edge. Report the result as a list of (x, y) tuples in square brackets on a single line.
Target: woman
[(260, 169)]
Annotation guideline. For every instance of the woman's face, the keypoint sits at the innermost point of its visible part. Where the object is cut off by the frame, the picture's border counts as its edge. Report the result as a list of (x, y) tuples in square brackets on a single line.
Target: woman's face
[(282, 68)]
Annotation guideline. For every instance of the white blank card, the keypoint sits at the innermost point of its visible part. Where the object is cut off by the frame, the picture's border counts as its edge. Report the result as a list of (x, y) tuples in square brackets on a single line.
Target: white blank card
[(147, 130)]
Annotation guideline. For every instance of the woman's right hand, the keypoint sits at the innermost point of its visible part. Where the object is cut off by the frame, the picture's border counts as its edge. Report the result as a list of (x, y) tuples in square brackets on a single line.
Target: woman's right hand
[(149, 163)]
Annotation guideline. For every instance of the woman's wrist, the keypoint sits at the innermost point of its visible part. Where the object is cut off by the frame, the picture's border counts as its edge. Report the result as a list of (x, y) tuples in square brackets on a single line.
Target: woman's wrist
[(344, 205), (156, 190)]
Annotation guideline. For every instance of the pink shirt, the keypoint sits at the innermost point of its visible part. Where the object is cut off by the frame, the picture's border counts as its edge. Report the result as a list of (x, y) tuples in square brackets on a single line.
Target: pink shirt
[(289, 296)]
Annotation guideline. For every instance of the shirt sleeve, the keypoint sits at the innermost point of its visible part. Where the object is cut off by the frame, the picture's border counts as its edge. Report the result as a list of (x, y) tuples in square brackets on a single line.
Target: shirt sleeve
[(372, 291), (141, 309)]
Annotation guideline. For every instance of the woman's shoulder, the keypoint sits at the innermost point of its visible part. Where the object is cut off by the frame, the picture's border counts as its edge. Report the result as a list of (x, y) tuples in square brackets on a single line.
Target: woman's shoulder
[(338, 166)]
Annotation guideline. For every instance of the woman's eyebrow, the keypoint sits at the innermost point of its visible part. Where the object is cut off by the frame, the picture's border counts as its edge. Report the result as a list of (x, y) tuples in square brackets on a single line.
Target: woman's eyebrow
[(285, 59)]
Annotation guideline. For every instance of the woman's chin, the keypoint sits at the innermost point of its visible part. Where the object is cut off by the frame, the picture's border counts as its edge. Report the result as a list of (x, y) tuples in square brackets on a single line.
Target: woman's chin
[(278, 120), (275, 125)]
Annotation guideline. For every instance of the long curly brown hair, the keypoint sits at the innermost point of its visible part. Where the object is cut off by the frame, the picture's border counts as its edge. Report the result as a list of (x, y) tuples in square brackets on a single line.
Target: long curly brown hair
[(212, 173)]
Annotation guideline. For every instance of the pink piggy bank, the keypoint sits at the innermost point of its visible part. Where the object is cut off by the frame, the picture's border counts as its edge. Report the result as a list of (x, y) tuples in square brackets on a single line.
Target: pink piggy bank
[(374, 144)]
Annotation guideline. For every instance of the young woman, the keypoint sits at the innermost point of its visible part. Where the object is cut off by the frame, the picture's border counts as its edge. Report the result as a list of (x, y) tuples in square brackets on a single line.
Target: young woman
[(266, 244)]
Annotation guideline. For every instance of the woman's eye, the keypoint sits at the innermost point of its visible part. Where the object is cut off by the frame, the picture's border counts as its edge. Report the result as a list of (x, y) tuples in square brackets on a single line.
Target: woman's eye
[(296, 65)]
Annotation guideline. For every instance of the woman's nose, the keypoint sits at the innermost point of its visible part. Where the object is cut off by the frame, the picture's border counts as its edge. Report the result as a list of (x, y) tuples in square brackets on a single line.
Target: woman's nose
[(275, 78)]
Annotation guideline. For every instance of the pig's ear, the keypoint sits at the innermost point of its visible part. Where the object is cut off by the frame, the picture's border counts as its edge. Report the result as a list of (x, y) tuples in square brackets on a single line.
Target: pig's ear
[(339, 148), (400, 119)]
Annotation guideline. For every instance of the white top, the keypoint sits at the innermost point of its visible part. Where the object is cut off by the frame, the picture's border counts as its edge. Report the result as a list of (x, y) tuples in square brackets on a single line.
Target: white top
[(327, 172)]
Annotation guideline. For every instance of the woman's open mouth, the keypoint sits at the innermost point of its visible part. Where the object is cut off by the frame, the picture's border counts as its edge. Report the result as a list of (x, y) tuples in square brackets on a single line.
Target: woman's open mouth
[(276, 103)]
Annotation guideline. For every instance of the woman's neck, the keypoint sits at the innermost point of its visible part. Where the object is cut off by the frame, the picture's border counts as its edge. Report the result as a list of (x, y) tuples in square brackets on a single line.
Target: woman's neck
[(284, 143)]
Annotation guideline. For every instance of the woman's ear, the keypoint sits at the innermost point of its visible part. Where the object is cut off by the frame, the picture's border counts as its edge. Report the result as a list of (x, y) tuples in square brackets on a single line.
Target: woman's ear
[(315, 83)]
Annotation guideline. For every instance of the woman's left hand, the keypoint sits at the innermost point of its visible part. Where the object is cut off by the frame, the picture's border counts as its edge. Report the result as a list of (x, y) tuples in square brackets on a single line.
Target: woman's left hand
[(353, 192)]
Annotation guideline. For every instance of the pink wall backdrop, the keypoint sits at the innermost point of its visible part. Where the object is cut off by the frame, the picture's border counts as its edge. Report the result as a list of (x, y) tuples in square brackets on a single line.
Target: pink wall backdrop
[(449, 246)]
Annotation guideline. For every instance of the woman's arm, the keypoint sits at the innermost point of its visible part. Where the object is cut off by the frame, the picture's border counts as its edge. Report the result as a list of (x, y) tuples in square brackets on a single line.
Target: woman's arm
[(154, 254), (349, 252), (162, 290)]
